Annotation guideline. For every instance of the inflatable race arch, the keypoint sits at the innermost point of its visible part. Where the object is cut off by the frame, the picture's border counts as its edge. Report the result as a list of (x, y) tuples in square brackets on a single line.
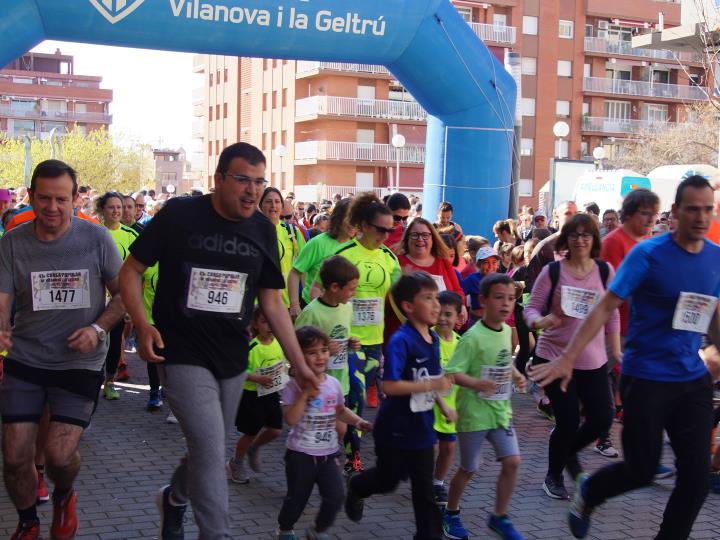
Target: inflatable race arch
[(426, 44)]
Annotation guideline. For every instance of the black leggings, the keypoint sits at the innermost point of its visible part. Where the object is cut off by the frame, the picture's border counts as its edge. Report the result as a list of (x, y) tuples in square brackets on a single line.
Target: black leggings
[(523, 333), (153, 377), (114, 349), (589, 388)]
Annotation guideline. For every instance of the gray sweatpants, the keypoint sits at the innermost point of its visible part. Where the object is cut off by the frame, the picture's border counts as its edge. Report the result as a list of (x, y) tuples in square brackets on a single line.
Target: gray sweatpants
[(206, 409)]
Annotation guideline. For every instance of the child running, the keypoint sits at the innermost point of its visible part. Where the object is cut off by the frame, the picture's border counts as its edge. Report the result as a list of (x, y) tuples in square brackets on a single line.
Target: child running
[(332, 313), (313, 443), (404, 434), (450, 307), (259, 416), (482, 367)]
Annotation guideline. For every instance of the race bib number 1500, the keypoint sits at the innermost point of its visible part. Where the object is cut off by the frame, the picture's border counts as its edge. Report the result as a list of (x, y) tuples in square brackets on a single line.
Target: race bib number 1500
[(217, 291), (64, 289)]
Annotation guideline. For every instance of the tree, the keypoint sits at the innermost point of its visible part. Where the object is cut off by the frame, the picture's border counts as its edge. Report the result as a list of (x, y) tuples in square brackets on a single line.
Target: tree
[(100, 160)]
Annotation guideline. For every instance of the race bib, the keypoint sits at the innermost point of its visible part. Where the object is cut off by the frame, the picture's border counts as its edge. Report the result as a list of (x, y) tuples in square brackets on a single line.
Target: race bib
[(279, 375), (367, 311), (64, 289), (423, 401), (694, 312), (318, 432), (577, 303), (340, 360), (217, 291), (502, 375), (440, 282)]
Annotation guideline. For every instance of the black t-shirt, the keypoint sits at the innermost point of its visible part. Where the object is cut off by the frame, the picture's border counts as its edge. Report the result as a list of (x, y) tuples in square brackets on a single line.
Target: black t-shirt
[(210, 271)]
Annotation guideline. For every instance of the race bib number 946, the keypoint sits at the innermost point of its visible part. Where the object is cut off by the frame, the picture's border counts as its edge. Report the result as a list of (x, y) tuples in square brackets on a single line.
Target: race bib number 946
[(65, 289), (217, 291)]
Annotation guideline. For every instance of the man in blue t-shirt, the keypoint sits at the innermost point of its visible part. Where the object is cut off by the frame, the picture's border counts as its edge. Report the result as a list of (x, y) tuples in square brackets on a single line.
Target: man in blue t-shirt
[(673, 281)]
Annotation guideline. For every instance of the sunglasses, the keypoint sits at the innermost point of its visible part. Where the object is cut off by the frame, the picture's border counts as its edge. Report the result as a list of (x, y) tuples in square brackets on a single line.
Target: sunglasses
[(397, 219), (381, 230), (289, 216)]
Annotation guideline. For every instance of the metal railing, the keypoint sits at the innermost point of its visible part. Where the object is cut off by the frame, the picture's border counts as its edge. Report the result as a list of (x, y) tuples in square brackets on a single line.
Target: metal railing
[(56, 116), (352, 151), (602, 45), (366, 108), (199, 63), (198, 129), (601, 124), (305, 67), (198, 96), (495, 32), (643, 88)]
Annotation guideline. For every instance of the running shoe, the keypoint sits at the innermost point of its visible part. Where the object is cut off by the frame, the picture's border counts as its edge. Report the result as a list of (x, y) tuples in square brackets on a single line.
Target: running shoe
[(27, 530), (503, 528), (123, 374), (453, 527), (619, 414), (172, 518), (440, 493), (372, 397), (715, 482), (42, 490), (356, 465), (579, 513), (236, 471), (312, 534), (171, 418), (65, 521), (663, 472), (554, 487), (354, 504), (110, 392), (253, 458), (605, 448), (154, 401), (286, 535), (546, 411)]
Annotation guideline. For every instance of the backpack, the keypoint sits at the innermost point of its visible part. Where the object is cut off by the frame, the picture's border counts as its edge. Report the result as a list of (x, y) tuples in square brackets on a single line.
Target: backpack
[(554, 271)]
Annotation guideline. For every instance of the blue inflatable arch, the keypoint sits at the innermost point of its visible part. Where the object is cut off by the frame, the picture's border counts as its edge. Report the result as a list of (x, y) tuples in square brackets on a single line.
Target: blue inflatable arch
[(431, 50)]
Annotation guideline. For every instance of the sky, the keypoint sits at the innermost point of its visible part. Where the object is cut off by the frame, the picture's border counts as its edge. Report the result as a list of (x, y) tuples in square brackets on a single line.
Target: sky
[(152, 90)]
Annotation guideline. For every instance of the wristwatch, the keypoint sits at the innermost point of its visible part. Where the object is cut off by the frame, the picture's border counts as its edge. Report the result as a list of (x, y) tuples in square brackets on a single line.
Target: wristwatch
[(101, 334)]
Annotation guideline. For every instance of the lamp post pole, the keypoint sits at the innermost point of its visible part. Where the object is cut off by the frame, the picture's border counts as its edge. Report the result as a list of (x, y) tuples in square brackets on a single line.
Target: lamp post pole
[(398, 142)]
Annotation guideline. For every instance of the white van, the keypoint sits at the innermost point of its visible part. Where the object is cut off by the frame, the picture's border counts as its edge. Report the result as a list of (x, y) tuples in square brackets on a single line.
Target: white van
[(608, 188)]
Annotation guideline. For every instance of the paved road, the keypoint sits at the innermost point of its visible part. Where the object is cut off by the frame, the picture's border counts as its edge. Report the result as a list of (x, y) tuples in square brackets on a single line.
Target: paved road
[(129, 453)]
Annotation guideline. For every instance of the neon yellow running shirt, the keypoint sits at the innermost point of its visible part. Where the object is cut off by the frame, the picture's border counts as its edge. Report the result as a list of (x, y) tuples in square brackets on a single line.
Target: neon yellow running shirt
[(290, 242), (311, 257), (447, 348)]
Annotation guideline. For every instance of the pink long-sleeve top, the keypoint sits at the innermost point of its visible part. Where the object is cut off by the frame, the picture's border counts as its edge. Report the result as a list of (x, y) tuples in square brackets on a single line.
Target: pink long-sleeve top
[(552, 341)]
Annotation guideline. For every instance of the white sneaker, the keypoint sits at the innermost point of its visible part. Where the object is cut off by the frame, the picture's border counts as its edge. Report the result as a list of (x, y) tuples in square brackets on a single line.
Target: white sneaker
[(236, 471), (605, 448), (171, 419)]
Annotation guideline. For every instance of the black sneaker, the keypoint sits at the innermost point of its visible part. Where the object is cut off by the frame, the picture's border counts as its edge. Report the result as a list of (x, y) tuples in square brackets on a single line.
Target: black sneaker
[(172, 518), (554, 487), (440, 493), (546, 411), (354, 504)]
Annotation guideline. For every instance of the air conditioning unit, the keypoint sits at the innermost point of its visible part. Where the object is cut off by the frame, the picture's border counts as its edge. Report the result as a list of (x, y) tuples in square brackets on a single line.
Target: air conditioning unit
[(603, 25), (603, 34)]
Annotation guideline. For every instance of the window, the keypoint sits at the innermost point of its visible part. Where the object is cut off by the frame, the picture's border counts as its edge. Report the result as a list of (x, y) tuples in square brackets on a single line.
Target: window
[(465, 13), (22, 80), (585, 108), (211, 79), (562, 108), (528, 66), (586, 70), (24, 127), (525, 188), (217, 147), (588, 30), (499, 19), (526, 147), (655, 112), (566, 29), (209, 148), (274, 99), (224, 110), (225, 75), (217, 112), (561, 148), (617, 110), (530, 25), (564, 68), (527, 106), (210, 113), (284, 97)]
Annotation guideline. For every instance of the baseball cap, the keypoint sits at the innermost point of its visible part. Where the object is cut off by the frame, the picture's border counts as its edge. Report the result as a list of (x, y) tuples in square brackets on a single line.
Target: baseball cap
[(539, 214), (485, 253), (5, 195)]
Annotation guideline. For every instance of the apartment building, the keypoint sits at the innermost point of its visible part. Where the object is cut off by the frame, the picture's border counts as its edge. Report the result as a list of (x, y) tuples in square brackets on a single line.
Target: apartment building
[(333, 123), (41, 92)]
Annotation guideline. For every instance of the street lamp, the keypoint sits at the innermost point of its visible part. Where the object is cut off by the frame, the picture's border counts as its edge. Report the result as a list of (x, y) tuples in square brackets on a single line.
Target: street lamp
[(280, 152), (599, 155), (398, 141), (560, 130)]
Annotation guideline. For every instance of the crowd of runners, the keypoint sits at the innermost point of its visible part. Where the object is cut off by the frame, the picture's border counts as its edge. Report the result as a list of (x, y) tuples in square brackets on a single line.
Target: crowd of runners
[(261, 316)]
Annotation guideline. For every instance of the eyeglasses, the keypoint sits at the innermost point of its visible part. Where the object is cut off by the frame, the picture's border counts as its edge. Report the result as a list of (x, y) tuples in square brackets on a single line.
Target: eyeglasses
[(397, 219), (580, 236), (418, 235), (289, 216), (381, 230), (243, 180)]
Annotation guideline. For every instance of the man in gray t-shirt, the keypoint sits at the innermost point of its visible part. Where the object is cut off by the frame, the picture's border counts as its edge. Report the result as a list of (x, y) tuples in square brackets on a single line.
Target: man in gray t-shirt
[(56, 270)]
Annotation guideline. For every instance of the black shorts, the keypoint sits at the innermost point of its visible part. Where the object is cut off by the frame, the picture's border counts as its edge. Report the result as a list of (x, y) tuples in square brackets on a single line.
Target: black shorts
[(71, 394), (256, 412)]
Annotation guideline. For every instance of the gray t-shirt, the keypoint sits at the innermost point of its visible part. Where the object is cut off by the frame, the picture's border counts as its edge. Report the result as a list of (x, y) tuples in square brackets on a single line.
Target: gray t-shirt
[(59, 287)]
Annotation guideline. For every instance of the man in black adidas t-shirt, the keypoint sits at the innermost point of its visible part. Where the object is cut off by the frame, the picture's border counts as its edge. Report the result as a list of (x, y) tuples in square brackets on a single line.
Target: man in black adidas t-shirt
[(214, 259)]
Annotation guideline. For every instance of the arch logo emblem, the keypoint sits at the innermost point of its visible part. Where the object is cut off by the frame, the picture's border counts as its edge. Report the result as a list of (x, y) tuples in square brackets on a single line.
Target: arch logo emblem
[(116, 10)]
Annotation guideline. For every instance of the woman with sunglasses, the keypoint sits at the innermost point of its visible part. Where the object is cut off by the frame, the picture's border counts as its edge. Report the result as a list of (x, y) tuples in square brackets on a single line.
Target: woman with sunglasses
[(290, 239), (558, 309)]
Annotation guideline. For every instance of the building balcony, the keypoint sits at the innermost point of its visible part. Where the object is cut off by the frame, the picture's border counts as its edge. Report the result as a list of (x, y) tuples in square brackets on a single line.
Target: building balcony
[(199, 63), (198, 129), (360, 108), (601, 85), (7, 111), (310, 152), (605, 47), (305, 68), (495, 33), (198, 96), (600, 124)]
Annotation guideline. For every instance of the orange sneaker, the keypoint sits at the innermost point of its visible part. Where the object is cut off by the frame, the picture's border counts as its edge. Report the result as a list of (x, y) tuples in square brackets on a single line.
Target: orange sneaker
[(123, 373), (65, 522), (27, 530), (372, 397), (42, 490)]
